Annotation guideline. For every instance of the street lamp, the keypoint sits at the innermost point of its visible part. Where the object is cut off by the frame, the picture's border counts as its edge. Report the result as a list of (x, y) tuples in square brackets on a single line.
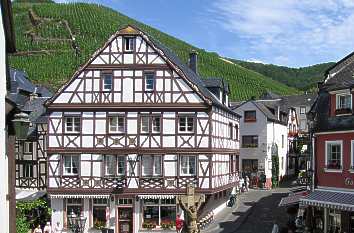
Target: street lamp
[(21, 124), (76, 223)]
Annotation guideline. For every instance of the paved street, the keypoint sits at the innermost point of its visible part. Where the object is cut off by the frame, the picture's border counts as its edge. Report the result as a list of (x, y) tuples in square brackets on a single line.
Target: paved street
[(256, 211)]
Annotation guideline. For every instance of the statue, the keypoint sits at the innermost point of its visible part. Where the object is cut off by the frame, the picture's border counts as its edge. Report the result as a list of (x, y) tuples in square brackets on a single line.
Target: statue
[(190, 205)]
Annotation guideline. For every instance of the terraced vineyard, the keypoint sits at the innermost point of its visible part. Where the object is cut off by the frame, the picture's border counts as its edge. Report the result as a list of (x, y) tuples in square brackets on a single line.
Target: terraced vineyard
[(53, 40)]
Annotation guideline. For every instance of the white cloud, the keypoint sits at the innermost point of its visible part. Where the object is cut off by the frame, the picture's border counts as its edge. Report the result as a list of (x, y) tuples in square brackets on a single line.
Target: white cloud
[(284, 27), (255, 60)]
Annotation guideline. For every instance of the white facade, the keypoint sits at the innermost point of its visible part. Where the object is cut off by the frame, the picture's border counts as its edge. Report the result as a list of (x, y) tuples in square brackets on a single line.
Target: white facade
[(268, 133), (128, 132)]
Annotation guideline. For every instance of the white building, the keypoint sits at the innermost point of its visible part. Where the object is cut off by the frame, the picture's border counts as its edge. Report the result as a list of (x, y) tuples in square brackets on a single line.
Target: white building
[(264, 132), (130, 130)]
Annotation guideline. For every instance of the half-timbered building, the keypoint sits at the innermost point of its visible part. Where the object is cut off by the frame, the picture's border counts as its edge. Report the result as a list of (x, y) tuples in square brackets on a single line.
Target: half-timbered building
[(130, 130)]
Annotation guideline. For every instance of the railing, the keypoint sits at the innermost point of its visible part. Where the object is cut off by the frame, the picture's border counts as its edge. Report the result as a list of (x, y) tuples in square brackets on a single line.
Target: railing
[(93, 182), (27, 182)]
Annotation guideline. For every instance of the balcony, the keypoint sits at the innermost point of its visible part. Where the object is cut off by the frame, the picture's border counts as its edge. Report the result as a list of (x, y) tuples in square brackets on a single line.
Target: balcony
[(343, 111)]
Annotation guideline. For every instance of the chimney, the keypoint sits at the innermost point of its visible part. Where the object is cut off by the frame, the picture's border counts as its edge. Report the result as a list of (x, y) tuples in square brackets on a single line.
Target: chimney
[(193, 61)]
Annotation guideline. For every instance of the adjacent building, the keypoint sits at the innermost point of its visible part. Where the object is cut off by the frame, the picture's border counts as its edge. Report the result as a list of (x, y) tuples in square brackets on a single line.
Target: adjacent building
[(265, 126), (130, 130), (332, 200)]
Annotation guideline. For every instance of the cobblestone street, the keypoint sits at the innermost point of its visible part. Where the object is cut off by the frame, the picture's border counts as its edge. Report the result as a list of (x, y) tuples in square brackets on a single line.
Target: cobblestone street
[(256, 211)]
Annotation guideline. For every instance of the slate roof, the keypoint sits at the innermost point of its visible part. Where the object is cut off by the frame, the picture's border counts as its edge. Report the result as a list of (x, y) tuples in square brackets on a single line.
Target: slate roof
[(300, 100), (268, 95)]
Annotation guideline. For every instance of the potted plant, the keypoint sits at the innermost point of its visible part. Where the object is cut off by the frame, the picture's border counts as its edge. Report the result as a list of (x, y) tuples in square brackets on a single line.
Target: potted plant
[(149, 225), (167, 225)]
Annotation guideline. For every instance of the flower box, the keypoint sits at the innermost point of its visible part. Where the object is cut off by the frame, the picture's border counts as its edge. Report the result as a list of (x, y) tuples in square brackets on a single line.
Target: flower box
[(343, 111)]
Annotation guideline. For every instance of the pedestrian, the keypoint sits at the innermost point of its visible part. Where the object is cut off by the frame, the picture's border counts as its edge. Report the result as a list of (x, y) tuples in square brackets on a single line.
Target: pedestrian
[(38, 229), (47, 228), (242, 183), (247, 183), (179, 223), (58, 228)]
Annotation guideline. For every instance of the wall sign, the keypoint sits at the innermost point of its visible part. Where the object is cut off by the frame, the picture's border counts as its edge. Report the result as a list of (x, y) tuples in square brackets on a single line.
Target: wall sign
[(348, 181)]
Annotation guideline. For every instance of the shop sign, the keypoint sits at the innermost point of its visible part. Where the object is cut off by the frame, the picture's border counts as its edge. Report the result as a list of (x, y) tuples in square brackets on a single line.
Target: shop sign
[(348, 181)]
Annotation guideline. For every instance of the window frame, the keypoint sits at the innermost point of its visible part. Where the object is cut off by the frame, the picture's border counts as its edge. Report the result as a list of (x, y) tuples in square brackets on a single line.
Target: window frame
[(342, 95), (71, 165), (104, 76), (231, 131), (153, 118), (25, 170), (159, 204), (67, 204), (131, 43), (28, 149), (152, 77), (256, 145), (186, 126), (237, 132), (302, 108), (118, 116), (250, 119), (73, 130), (335, 142), (188, 165), (153, 174)]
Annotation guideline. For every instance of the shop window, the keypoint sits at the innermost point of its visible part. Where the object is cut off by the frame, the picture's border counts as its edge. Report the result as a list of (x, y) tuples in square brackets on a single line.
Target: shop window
[(99, 212), (188, 165), (334, 154), (151, 165), (157, 212), (74, 205), (334, 221)]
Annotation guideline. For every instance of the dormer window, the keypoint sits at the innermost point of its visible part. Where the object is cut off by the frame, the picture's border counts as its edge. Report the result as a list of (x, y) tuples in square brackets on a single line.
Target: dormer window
[(343, 103), (149, 82), (128, 44)]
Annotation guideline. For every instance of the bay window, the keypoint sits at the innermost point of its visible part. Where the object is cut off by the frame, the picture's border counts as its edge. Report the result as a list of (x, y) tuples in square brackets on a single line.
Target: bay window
[(334, 154), (72, 124), (71, 164), (188, 165), (151, 165), (157, 212), (186, 124), (116, 124)]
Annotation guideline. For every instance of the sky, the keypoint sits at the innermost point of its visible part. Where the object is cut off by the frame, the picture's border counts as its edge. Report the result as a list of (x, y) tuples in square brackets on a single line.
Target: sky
[(293, 33)]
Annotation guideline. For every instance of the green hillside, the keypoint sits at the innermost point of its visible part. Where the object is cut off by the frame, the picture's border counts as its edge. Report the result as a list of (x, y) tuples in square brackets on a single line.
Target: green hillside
[(45, 32), (304, 78)]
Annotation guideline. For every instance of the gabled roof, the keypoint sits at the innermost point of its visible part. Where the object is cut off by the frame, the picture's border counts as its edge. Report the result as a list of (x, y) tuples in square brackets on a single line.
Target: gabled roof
[(211, 82), (268, 95), (193, 79), (300, 100)]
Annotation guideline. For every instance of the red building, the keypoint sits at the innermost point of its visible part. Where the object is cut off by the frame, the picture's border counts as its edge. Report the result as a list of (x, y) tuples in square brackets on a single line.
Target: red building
[(332, 200)]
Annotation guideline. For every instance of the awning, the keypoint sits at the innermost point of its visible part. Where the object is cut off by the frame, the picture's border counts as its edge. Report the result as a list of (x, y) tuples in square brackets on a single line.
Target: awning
[(292, 199), (147, 196), (330, 199), (99, 196), (28, 195)]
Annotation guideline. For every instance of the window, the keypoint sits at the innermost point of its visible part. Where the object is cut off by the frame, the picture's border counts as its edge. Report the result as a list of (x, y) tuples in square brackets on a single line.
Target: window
[(302, 110), (302, 125), (121, 165), (74, 205), (128, 44), (159, 211), (28, 147), (344, 101), (99, 212), (149, 82), (107, 82), (334, 154), (72, 124), (124, 201), (236, 129), (334, 221), (249, 141), (188, 165), (144, 124), (71, 164), (186, 124), (110, 165), (250, 116), (28, 170), (116, 124), (156, 120), (151, 165), (231, 131)]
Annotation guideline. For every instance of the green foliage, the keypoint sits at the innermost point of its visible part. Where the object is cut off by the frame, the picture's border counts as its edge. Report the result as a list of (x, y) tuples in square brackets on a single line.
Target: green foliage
[(304, 78), (33, 212), (92, 25), (22, 226), (275, 171)]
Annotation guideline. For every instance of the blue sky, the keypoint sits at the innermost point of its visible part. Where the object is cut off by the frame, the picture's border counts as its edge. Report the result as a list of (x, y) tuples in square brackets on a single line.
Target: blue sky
[(284, 32)]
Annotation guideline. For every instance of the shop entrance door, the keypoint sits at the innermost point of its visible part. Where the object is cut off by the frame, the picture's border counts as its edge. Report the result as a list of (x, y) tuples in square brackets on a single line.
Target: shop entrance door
[(125, 220)]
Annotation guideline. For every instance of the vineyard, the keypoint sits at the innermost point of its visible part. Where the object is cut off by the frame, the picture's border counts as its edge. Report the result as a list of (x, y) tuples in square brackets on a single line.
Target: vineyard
[(55, 39)]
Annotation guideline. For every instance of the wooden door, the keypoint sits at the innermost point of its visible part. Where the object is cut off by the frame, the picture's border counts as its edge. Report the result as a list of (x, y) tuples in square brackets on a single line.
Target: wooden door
[(125, 220)]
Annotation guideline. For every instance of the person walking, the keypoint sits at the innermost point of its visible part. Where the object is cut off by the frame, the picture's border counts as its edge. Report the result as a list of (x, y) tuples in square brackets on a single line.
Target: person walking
[(47, 228), (38, 229), (179, 223), (247, 181)]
